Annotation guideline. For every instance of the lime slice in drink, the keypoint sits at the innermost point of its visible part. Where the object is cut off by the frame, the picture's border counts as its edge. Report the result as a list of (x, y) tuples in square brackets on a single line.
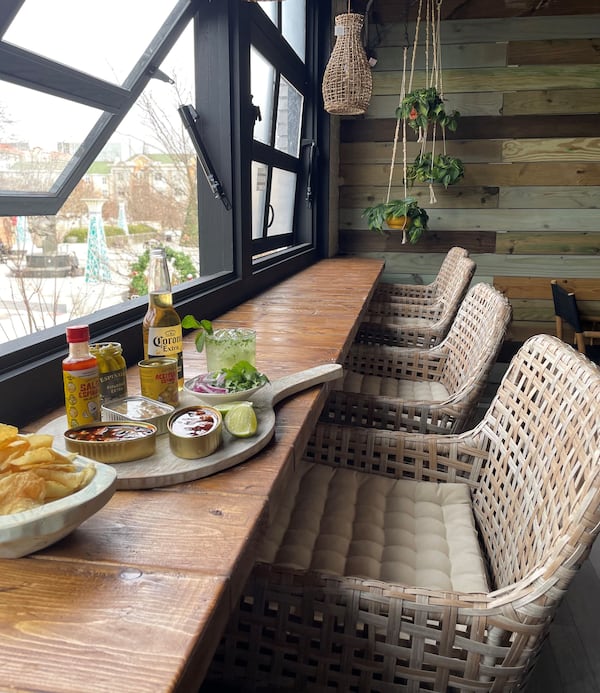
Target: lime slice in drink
[(241, 420)]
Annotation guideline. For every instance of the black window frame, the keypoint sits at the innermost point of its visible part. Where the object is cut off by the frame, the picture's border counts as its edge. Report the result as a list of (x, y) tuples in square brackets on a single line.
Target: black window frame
[(30, 373)]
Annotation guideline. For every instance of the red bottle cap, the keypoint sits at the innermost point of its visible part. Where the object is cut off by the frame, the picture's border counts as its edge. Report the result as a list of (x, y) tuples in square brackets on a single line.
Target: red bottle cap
[(78, 333)]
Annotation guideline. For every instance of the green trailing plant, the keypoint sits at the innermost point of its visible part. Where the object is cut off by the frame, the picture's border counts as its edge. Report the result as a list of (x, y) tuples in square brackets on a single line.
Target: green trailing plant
[(424, 106), (405, 215), (444, 169)]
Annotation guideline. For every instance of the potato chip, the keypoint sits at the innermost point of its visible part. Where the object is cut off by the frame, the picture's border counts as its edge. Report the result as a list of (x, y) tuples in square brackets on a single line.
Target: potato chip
[(33, 473), (7, 434), (38, 440), (25, 489)]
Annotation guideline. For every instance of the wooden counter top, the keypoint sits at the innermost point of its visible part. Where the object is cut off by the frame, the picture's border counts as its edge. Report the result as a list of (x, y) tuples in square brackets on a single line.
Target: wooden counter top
[(136, 598)]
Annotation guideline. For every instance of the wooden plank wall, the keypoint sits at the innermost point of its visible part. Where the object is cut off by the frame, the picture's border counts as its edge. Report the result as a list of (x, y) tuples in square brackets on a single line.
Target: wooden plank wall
[(525, 76)]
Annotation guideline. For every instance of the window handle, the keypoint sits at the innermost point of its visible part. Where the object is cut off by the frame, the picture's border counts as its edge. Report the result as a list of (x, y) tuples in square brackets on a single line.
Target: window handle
[(311, 155), (189, 116)]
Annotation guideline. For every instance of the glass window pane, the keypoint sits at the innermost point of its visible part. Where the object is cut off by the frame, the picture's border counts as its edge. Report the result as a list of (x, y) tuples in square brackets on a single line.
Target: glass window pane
[(105, 40), (259, 193), (283, 194), (40, 133), (141, 190), (262, 84), (293, 25), (289, 119)]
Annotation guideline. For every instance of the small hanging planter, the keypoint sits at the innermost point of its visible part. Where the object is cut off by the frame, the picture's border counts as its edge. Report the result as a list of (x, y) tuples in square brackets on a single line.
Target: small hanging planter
[(347, 82), (402, 215)]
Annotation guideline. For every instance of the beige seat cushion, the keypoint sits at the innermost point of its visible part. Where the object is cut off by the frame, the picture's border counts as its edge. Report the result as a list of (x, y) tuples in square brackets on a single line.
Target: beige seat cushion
[(349, 523), (407, 390)]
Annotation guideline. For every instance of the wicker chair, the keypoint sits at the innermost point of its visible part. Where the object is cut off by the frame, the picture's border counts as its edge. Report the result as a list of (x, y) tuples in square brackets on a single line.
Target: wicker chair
[(420, 325), (373, 576), (425, 390), (421, 293)]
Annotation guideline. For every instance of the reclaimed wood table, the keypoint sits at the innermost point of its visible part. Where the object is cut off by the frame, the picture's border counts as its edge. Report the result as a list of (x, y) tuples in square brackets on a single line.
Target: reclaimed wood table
[(136, 598)]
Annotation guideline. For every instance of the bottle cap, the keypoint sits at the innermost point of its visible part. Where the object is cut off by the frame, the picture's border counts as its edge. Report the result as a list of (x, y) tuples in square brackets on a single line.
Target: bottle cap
[(78, 333)]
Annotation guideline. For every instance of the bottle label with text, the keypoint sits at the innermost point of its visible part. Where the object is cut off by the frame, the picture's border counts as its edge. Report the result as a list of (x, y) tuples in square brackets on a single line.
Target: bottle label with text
[(167, 341)]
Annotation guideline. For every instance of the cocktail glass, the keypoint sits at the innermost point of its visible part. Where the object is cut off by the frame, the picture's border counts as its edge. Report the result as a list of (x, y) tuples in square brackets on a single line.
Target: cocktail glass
[(226, 346)]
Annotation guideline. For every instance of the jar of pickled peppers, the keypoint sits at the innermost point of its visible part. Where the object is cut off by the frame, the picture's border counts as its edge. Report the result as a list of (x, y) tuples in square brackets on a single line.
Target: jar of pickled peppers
[(113, 370)]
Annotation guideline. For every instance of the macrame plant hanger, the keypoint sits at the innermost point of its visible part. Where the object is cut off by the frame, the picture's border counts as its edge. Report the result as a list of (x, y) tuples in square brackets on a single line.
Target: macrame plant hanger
[(347, 81), (403, 92), (433, 78)]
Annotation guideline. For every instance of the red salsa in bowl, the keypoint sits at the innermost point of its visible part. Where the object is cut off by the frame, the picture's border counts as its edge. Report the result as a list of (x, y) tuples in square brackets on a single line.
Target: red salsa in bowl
[(195, 431), (112, 442)]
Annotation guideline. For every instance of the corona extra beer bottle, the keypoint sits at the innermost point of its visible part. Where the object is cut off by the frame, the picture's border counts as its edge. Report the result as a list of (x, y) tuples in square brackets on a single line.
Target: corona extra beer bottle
[(162, 325)]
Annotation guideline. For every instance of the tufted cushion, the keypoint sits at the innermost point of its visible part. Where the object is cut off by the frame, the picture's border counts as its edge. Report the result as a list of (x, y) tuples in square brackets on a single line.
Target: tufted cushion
[(343, 522), (407, 390)]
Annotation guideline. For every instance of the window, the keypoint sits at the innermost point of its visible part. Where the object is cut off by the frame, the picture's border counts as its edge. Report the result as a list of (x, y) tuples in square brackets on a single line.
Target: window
[(66, 103)]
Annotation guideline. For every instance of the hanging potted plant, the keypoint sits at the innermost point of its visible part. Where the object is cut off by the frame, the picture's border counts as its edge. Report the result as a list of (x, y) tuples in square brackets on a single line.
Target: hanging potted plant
[(423, 106), (404, 215), (441, 168)]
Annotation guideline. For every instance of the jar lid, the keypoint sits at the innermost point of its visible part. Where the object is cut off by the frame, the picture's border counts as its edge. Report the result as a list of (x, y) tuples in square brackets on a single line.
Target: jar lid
[(78, 333)]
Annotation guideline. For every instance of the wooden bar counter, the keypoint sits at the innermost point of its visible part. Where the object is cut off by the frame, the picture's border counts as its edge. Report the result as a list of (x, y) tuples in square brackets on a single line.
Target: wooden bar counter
[(135, 599)]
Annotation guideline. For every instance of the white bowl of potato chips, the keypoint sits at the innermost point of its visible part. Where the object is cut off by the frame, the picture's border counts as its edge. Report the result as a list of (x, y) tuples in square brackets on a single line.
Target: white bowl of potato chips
[(45, 494)]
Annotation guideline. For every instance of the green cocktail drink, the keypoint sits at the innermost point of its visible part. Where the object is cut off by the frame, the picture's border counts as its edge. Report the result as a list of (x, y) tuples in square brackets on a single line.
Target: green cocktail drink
[(226, 346)]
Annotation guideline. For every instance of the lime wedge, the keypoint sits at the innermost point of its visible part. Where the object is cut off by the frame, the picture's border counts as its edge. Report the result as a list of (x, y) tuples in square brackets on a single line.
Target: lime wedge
[(225, 407), (241, 420)]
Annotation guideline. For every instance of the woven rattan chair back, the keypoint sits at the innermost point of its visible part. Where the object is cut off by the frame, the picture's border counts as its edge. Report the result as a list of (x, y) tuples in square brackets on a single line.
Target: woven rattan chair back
[(540, 484), (417, 324), (461, 363), (388, 291), (474, 340)]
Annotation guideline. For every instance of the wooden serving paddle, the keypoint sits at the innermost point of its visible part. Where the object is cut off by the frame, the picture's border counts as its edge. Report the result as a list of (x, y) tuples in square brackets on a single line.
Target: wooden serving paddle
[(163, 468)]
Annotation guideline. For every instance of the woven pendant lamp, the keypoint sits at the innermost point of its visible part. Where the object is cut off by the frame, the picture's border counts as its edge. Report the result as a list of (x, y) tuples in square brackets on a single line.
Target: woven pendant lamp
[(347, 82)]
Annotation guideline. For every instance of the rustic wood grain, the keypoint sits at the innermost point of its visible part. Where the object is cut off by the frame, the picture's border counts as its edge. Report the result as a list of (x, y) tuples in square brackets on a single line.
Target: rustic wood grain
[(510, 78), (480, 127), (563, 101), (553, 52), (453, 197)]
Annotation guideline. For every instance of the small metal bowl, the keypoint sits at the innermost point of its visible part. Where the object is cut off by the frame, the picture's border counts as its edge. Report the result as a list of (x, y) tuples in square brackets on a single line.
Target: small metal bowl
[(138, 408), (112, 442), (195, 431)]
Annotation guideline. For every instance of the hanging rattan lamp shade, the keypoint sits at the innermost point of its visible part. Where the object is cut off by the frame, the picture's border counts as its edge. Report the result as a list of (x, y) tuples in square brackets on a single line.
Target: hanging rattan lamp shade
[(347, 82)]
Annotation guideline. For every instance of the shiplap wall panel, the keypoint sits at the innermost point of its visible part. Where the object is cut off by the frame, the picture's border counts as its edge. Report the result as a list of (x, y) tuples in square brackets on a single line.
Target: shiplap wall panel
[(553, 52), (482, 103), (528, 89), (359, 197), (558, 196), (565, 101)]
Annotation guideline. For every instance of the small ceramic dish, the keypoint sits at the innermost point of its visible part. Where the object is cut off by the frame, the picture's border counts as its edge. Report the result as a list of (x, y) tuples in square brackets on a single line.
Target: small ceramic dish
[(218, 397), (112, 442), (35, 529), (195, 431)]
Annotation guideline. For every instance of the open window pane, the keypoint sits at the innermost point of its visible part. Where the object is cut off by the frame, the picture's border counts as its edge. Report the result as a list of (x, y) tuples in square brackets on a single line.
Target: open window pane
[(289, 119), (41, 134), (105, 41), (283, 195), (262, 83)]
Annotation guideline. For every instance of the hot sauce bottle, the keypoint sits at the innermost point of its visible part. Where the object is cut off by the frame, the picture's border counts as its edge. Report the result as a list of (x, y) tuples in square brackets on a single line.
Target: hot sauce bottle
[(81, 379)]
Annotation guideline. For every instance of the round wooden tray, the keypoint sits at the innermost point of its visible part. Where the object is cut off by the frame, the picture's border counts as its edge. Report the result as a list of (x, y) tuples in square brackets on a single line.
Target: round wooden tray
[(163, 468)]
